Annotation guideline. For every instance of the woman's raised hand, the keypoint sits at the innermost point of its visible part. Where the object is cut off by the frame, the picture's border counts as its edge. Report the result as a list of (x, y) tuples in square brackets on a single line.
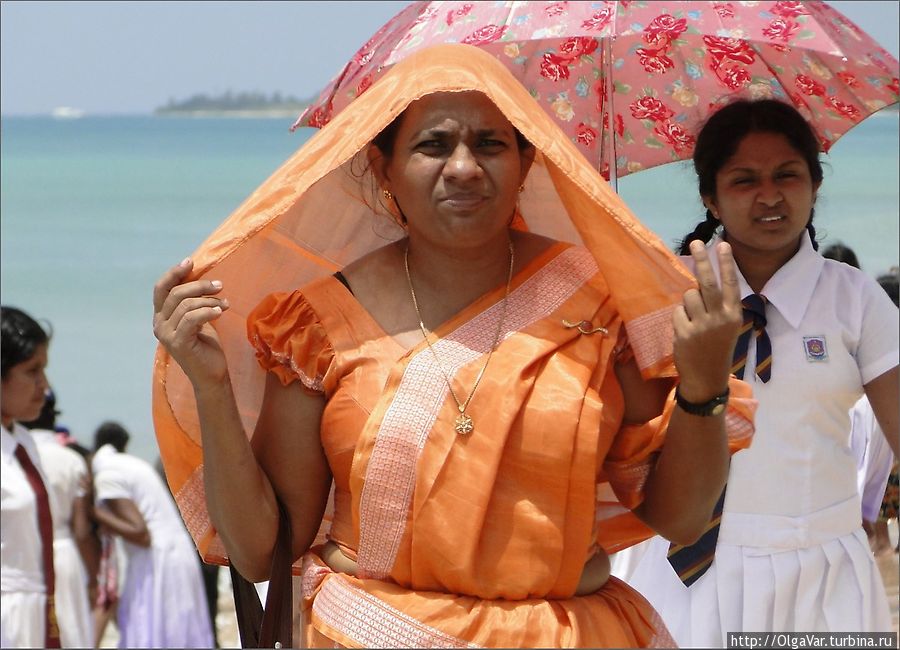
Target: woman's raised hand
[(707, 325), (182, 317)]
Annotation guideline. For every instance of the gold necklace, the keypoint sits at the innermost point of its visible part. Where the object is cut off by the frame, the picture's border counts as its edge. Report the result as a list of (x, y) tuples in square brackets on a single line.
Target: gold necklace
[(464, 424)]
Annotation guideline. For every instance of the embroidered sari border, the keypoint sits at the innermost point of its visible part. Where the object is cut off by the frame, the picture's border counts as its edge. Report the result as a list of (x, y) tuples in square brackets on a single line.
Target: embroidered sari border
[(191, 500), (373, 623), (651, 336), (391, 470)]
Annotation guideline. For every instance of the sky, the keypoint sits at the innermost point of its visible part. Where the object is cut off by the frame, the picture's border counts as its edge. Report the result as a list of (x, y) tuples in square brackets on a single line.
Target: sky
[(109, 58)]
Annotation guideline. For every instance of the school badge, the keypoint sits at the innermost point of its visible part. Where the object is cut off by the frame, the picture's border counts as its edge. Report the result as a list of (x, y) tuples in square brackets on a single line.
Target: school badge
[(815, 348)]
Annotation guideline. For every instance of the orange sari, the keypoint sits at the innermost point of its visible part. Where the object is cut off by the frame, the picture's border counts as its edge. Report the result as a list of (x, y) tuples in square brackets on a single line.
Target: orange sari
[(479, 540)]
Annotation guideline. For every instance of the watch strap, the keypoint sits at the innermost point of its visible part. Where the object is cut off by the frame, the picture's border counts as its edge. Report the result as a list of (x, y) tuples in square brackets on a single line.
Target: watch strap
[(714, 406)]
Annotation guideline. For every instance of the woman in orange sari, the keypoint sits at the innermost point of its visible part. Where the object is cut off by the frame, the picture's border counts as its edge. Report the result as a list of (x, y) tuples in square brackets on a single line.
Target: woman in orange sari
[(487, 384)]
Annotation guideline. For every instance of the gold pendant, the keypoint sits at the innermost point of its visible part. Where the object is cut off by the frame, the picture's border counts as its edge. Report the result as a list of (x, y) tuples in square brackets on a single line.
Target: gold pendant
[(464, 424)]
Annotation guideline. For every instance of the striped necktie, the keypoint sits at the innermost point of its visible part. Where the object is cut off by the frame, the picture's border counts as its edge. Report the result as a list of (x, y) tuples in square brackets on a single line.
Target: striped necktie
[(691, 562), (754, 325), (45, 526)]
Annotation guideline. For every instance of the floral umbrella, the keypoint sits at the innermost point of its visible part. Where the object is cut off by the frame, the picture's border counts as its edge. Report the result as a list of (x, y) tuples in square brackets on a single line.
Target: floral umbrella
[(659, 67)]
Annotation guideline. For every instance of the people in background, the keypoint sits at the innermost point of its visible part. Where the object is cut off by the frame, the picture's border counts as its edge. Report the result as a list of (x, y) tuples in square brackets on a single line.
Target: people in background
[(76, 547), (874, 458), (27, 573), (162, 603)]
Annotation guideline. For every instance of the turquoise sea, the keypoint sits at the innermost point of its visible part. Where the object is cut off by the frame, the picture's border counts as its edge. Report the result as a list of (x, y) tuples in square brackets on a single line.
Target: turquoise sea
[(93, 210)]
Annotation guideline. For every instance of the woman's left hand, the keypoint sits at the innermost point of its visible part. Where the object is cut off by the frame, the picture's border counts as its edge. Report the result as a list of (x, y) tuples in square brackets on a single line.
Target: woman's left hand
[(706, 326)]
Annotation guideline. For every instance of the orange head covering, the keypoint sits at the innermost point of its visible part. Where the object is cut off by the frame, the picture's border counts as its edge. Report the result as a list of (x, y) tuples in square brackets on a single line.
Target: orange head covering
[(320, 210)]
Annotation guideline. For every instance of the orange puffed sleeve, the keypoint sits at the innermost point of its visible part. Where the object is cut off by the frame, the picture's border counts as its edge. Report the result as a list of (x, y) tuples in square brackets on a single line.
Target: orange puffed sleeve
[(634, 450), (290, 341), (633, 455)]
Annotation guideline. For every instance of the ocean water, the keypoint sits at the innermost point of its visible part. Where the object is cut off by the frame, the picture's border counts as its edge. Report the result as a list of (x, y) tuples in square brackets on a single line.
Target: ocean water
[(93, 210)]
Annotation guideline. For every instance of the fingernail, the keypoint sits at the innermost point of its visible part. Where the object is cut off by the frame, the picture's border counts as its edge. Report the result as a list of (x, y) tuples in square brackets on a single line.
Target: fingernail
[(216, 284), (225, 303), (185, 262), (217, 309)]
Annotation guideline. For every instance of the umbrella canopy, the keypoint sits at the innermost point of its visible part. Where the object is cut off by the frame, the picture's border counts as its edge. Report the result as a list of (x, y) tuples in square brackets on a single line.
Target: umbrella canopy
[(658, 68)]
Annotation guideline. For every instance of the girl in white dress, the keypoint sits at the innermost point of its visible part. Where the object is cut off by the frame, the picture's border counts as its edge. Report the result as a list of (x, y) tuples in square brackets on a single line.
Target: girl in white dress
[(27, 615), (791, 552)]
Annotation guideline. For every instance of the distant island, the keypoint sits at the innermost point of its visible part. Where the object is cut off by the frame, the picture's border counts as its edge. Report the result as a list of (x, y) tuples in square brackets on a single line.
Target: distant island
[(231, 104), (247, 104)]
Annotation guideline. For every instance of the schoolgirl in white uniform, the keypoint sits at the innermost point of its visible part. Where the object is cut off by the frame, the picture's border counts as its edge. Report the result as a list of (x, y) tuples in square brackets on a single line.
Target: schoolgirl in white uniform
[(27, 614), (791, 553)]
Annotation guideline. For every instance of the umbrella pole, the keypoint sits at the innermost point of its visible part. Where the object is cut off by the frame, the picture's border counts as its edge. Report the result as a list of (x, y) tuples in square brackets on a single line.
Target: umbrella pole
[(610, 114)]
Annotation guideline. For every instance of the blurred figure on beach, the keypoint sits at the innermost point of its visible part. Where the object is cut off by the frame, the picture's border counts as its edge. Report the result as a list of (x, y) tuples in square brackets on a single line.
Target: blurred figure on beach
[(104, 569), (881, 495), (162, 603), (76, 547), (106, 603), (876, 463), (840, 252), (210, 572), (27, 577)]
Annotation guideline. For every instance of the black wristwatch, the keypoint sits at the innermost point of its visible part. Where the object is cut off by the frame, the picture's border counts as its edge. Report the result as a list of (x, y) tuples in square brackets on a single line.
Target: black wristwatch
[(715, 406)]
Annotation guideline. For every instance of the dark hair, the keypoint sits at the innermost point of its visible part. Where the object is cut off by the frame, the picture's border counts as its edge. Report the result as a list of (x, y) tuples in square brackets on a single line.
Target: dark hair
[(80, 449), (47, 418), (841, 253), (890, 282), (20, 337), (111, 433), (723, 132)]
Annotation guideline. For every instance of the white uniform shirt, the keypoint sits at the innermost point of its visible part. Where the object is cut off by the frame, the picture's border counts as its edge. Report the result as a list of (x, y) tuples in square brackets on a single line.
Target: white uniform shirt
[(20, 537), (833, 329), (123, 476), (65, 469), (791, 553)]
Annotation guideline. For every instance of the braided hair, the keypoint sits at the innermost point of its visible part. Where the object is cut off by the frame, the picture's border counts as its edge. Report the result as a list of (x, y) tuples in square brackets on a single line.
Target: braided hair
[(720, 137)]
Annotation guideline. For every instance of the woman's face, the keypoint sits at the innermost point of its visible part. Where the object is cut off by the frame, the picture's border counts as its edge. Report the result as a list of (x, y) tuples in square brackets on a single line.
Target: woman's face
[(764, 196), (456, 168), (24, 389)]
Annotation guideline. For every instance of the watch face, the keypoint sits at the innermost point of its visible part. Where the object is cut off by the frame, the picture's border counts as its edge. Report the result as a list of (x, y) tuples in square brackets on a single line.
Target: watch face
[(718, 408)]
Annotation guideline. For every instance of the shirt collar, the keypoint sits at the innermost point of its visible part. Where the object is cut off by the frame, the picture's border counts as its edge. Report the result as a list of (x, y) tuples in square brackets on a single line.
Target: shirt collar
[(43, 435), (105, 450), (8, 443), (9, 440), (791, 288)]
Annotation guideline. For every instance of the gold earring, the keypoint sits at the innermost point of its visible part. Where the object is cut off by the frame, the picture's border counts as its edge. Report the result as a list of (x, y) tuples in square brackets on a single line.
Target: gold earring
[(521, 188), (387, 195)]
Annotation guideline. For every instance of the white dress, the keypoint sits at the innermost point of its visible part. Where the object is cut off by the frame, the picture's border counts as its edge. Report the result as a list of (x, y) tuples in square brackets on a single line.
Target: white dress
[(23, 598), (65, 470), (791, 553), (162, 603), (874, 458)]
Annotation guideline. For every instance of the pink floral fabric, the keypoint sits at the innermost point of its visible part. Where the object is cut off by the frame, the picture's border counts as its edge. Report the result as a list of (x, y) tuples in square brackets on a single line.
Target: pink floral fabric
[(659, 68)]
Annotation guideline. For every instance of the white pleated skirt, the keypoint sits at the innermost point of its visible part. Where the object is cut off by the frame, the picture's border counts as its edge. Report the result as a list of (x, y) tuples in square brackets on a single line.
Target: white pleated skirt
[(22, 619), (830, 586)]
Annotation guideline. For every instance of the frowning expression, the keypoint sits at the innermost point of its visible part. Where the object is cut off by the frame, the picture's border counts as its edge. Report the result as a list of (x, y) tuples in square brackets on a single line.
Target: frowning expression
[(456, 167), (764, 196)]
